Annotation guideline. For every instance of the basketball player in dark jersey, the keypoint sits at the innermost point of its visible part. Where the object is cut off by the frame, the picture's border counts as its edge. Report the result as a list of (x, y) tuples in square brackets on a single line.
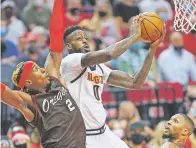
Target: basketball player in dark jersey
[(177, 130), (52, 110)]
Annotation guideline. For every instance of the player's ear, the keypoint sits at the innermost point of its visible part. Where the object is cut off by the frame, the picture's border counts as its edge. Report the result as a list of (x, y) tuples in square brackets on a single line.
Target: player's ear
[(68, 46), (185, 132), (28, 82)]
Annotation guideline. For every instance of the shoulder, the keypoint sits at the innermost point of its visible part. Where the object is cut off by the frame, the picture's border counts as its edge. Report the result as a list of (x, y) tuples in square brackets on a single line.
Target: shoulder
[(166, 53), (188, 54), (71, 63), (71, 58)]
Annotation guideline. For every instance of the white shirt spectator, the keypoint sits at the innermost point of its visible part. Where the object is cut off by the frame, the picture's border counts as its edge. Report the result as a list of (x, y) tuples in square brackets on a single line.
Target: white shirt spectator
[(16, 29), (175, 67), (154, 5)]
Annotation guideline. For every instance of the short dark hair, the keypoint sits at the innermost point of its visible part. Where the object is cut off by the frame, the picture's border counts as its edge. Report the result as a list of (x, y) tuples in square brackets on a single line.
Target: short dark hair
[(190, 122), (69, 30)]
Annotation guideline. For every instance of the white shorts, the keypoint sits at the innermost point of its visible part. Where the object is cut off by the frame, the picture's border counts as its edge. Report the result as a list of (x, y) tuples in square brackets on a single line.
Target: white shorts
[(106, 140)]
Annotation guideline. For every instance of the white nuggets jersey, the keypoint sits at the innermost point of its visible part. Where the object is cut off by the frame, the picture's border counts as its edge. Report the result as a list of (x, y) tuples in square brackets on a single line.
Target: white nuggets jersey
[(85, 86)]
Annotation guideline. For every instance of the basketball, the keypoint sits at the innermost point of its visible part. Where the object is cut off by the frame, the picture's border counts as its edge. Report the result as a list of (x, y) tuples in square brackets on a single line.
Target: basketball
[(151, 27)]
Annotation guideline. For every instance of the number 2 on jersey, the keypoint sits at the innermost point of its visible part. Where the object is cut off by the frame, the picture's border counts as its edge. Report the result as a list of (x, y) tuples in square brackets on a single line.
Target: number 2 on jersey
[(95, 90), (69, 105)]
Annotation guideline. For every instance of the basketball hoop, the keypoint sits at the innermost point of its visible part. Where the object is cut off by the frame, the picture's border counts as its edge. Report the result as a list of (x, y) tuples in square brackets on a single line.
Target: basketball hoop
[(185, 17)]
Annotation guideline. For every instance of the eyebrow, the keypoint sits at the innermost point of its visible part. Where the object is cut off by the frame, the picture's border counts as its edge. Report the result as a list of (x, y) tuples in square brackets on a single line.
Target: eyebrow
[(178, 119)]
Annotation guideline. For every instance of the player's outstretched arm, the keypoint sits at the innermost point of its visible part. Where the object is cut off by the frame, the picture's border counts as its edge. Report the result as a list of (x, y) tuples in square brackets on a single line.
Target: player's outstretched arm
[(56, 28), (124, 80), (17, 100), (115, 50)]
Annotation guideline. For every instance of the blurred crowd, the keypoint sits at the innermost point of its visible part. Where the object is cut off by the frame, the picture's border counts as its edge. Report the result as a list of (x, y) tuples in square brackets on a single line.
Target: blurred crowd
[(25, 36)]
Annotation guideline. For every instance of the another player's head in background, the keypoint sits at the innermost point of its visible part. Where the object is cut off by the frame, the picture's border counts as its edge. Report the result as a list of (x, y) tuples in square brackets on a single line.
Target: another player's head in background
[(76, 40), (179, 127), (29, 75)]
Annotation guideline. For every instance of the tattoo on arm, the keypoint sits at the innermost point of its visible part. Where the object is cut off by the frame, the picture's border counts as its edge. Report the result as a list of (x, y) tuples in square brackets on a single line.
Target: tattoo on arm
[(107, 54), (122, 79)]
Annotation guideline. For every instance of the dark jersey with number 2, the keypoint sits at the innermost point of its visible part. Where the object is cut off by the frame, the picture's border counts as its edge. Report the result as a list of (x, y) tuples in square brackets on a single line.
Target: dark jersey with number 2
[(58, 118)]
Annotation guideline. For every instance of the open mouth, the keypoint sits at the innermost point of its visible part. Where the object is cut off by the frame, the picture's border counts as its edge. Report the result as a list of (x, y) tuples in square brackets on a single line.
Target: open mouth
[(166, 128), (86, 46)]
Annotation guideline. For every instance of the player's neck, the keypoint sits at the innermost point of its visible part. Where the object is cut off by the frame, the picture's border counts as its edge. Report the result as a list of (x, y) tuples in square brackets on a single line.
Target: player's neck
[(178, 141)]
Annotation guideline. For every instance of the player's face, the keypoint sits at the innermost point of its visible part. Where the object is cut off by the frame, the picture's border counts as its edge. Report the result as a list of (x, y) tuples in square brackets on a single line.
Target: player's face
[(78, 42), (174, 127), (38, 78)]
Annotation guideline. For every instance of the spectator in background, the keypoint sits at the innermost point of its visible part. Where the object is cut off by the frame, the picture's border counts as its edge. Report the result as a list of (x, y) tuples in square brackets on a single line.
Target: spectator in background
[(11, 51), (102, 24), (21, 4), (154, 5), (5, 143), (49, 3), (117, 129), (35, 139), (123, 12), (41, 44), (157, 140), (31, 55), (136, 59), (41, 37), (163, 12), (128, 113), (136, 135), (20, 140), (175, 64), (15, 26), (131, 60), (73, 15), (107, 31), (36, 13)]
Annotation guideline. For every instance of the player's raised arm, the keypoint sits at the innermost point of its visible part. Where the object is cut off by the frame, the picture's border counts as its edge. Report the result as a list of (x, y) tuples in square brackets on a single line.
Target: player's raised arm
[(115, 50), (56, 28), (18, 100), (124, 80)]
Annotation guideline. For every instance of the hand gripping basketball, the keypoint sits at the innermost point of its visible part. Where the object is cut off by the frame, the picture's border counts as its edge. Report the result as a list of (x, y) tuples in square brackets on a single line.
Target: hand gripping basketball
[(135, 28)]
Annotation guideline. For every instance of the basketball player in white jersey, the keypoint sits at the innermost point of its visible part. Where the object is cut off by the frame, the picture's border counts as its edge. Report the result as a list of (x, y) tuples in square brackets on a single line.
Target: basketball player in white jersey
[(85, 75)]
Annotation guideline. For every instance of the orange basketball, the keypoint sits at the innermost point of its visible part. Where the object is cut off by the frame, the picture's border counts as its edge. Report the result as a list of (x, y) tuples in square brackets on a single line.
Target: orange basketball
[(151, 27)]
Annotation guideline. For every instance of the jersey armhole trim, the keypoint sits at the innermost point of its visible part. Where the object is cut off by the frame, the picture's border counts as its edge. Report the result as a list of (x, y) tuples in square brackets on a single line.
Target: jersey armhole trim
[(78, 76), (101, 69)]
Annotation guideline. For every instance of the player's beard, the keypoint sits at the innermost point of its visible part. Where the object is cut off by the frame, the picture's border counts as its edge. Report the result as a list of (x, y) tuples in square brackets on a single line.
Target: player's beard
[(78, 50), (168, 136)]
